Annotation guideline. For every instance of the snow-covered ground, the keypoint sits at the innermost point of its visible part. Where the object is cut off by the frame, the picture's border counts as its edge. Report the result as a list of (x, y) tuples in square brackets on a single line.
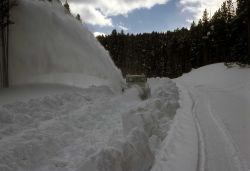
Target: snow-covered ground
[(211, 130), (56, 127)]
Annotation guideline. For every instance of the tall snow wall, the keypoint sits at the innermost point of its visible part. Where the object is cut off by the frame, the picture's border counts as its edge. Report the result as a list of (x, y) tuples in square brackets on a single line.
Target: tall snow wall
[(49, 45)]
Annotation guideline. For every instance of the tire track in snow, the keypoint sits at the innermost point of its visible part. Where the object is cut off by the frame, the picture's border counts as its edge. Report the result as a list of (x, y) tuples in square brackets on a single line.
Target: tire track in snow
[(201, 144), (220, 152), (234, 149)]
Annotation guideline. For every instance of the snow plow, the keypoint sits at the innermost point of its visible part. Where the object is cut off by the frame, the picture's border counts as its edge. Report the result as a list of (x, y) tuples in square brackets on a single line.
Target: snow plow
[(139, 82)]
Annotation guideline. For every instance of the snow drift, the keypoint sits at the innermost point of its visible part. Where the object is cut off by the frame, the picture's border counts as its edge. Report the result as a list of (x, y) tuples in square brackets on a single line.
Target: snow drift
[(49, 45), (62, 128)]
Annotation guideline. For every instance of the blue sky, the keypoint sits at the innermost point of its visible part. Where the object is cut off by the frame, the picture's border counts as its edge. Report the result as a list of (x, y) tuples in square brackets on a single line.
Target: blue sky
[(139, 16), (159, 18)]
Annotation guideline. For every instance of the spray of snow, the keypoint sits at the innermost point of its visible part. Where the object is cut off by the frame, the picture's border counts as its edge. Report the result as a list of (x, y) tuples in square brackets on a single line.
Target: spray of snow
[(49, 45)]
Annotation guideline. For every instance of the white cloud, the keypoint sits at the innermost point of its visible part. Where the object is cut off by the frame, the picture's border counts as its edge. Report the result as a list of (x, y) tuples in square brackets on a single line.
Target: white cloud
[(99, 34), (98, 12), (189, 21), (196, 7), (91, 15), (122, 27)]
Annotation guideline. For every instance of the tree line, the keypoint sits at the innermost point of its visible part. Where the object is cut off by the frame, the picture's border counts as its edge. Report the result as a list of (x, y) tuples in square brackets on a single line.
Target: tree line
[(221, 38)]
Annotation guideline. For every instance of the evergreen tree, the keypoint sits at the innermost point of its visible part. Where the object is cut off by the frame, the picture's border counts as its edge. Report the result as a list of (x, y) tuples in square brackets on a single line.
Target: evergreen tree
[(230, 10), (222, 38), (248, 22), (224, 12), (66, 6), (78, 17), (205, 17), (241, 6)]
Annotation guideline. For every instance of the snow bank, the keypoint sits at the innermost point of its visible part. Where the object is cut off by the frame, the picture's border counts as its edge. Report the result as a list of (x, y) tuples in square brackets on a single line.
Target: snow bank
[(179, 150), (74, 129), (35, 132), (153, 115), (49, 45), (133, 154), (145, 125), (217, 76)]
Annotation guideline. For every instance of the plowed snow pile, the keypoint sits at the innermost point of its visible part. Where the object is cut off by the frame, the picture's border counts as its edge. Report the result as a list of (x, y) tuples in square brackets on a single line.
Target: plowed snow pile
[(49, 45), (91, 129)]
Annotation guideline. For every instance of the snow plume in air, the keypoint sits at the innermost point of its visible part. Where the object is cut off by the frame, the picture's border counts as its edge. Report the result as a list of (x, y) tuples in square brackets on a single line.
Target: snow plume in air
[(50, 45)]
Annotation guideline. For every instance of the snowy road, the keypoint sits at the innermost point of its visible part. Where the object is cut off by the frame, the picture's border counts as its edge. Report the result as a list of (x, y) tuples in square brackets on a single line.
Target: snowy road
[(219, 149), (211, 130), (221, 113)]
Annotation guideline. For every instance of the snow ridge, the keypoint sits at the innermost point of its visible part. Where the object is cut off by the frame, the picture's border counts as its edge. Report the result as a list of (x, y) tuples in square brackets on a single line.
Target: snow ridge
[(144, 127), (179, 150)]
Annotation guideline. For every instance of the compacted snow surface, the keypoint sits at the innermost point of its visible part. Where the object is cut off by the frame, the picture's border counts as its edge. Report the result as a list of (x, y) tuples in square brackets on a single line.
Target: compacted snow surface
[(211, 130)]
